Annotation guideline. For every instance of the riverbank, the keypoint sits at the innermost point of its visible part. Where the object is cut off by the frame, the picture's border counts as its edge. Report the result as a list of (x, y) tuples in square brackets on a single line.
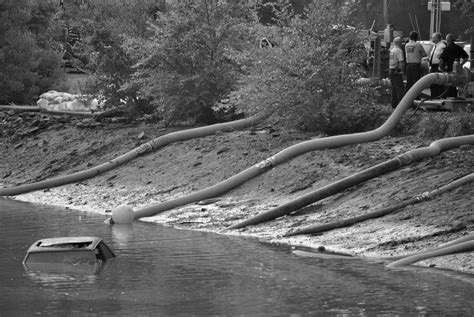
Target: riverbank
[(41, 151)]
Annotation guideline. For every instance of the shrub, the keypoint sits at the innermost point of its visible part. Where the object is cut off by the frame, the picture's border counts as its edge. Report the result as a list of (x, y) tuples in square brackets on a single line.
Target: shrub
[(30, 59), (445, 124), (104, 27), (307, 78), (185, 68)]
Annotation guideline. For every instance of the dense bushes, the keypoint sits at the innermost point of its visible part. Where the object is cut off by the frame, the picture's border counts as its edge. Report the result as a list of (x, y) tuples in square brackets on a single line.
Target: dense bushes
[(181, 62), (195, 55), (30, 57), (307, 78), (104, 26), (186, 67)]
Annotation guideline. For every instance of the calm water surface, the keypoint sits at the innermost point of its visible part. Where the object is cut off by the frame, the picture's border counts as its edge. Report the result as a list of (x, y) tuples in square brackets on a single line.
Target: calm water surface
[(163, 271)]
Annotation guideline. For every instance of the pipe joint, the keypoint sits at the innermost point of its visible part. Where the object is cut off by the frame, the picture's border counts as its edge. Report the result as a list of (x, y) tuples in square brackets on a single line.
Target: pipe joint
[(405, 159), (424, 196), (445, 79), (146, 147), (266, 164)]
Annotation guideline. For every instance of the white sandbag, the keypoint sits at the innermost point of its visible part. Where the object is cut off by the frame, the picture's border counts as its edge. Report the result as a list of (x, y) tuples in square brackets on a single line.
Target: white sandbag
[(94, 104), (42, 103), (57, 100), (64, 101), (67, 96), (77, 105), (50, 95)]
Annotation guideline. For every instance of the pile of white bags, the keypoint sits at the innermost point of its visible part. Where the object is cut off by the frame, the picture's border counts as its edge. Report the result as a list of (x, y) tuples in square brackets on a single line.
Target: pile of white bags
[(63, 101)]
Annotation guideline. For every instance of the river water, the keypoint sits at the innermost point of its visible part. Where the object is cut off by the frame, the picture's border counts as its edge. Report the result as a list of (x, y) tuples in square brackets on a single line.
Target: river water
[(163, 271)]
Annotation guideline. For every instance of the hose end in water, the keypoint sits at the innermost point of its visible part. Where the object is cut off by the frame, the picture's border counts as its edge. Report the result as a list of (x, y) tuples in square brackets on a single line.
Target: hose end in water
[(122, 214)]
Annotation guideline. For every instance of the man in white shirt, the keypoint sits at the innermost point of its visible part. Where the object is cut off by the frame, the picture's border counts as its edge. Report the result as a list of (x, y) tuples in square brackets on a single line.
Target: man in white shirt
[(438, 47), (396, 71)]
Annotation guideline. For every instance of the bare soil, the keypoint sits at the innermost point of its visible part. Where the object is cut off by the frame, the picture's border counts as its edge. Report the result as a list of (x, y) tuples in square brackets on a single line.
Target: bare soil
[(37, 147)]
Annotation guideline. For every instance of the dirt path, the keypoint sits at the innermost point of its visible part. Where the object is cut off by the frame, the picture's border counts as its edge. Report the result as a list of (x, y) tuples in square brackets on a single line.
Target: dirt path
[(60, 148)]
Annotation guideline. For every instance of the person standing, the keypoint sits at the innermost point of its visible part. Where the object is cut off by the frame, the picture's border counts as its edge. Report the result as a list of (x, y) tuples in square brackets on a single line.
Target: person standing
[(438, 47), (414, 52), (447, 58), (396, 71)]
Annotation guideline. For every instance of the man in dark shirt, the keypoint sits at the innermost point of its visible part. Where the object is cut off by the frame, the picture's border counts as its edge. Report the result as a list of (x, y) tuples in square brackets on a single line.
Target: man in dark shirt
[(446, 60)]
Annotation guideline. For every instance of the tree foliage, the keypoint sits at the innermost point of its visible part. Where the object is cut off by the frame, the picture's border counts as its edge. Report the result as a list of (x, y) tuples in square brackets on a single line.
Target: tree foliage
[(103, 27), (186, 67), (307, 78), (30, 53)]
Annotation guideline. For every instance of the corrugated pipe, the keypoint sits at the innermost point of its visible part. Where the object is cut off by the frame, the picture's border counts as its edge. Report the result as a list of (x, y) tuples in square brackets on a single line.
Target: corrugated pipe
[(316, 229), (127, 157), (301, 148), (407, 158)]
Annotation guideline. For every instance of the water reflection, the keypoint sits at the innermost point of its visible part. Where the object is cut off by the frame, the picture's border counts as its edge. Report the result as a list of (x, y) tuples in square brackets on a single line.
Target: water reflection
[(60, 279), (162, 271), (122, 235)]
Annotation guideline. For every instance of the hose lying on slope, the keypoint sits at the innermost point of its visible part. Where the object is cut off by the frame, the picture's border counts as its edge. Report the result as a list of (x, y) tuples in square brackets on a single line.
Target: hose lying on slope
[(301, 148), (144, 148), (411, 156), (464, 244), (384, 211)]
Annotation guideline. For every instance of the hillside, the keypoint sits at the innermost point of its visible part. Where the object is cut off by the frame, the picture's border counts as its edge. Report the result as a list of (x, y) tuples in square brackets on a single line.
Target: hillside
[(37, 147)]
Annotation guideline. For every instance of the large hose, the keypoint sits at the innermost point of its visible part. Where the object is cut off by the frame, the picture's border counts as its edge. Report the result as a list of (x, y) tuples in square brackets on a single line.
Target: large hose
[(303, 147), (463, 244), (144, 148), (384, 211), (401, 160)]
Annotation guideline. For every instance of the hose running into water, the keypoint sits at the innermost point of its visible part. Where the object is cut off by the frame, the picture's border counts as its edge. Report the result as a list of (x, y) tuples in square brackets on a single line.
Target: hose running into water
[(464, 244)]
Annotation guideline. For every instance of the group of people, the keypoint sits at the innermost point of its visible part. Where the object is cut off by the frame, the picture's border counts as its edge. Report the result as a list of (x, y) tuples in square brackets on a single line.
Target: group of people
[(406, 61)]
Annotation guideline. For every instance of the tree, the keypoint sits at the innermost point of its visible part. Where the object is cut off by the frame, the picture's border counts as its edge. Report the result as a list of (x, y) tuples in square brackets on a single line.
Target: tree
[(307, 79), (30, 53), (186, 67), (103, 28)]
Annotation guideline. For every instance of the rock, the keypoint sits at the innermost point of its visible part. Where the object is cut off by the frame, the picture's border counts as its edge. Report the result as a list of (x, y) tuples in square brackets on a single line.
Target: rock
[(223, 150), (7, 174)]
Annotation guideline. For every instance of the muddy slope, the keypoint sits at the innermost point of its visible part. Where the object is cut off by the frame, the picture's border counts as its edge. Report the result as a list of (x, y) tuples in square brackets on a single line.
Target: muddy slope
[(35, 148)]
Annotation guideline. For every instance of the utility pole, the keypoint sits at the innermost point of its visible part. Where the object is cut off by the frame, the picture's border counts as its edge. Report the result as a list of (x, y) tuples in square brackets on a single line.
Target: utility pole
[(436, 7), (435, 22)]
